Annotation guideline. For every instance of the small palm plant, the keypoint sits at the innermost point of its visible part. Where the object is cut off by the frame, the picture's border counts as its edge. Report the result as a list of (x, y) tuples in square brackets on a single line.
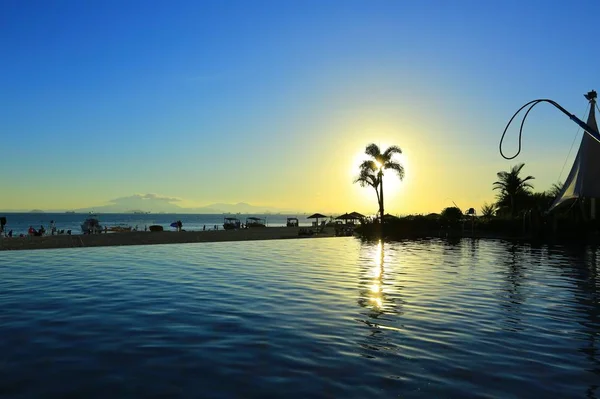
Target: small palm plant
[(488, 210), (555, 190)]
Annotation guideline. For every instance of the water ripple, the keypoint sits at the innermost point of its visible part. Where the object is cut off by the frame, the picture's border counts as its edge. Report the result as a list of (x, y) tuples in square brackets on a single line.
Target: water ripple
[(301, 318)]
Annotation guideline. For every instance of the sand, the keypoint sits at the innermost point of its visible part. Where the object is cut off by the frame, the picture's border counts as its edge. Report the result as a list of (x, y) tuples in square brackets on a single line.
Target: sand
[(149, 238)]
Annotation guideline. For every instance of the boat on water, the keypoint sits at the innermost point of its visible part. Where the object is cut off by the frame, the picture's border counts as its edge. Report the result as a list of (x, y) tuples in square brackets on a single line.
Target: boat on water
[(230, 223), (255, 222), (91, 225)]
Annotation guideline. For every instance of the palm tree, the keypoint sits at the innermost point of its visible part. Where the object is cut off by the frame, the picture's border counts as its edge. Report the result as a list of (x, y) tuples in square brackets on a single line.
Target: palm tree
[(512, 187), (369, 177), (371, 170), (488, 210), (555, 190)]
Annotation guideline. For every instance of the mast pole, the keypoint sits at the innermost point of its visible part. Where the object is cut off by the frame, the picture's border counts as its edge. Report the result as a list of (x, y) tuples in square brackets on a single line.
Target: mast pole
[(591, 96)]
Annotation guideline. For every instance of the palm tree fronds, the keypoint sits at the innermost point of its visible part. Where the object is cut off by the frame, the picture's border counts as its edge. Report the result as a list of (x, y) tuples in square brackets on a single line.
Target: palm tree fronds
[(512, 188), (395, 166), (368, 165), (373, 151), (390, 151)]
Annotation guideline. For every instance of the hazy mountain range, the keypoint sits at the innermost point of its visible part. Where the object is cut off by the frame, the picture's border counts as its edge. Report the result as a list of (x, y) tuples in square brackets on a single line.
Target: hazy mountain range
[(160, 204)]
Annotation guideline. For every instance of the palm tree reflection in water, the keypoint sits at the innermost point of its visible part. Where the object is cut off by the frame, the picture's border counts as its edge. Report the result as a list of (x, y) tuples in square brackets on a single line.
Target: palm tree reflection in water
[(514, 263), (380, 299), (371, 294), (375, 294)]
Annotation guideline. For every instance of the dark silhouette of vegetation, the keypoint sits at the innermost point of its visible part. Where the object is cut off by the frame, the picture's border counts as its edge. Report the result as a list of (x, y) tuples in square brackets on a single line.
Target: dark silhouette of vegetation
[(488, 210), (371, 170), (519, 213), (513, 190), (555, 190), (452, 214)]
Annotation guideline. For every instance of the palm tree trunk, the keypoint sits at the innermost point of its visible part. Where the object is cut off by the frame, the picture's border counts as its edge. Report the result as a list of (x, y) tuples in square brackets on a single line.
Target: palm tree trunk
[(377, 193), (512, 206), (381, 197)]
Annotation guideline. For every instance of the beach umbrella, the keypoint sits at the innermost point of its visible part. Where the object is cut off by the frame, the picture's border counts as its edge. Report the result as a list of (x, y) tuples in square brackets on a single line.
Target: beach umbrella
[(344, 217), (388, 216), (356, 215), (317, 216)]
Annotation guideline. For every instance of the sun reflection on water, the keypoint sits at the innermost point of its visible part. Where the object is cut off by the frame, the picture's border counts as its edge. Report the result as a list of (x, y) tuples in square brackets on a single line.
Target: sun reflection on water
[(372, 296), (376, 287)]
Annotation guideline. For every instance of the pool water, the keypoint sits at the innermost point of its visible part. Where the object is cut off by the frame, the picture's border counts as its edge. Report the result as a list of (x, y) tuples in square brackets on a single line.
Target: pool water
[(319, 318)]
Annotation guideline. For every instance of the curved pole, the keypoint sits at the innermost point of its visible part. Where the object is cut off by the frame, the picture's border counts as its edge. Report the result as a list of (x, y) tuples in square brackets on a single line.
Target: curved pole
[(588, 129), (591, 96)]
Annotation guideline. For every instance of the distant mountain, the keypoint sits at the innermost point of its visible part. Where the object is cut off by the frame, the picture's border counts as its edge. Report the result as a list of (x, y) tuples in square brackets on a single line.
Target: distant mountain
[(152, 203), (144, 203)]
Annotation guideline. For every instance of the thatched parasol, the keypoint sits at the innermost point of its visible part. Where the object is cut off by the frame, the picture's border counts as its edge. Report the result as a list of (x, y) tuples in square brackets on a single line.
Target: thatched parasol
[(317, 216), (388, 216), (356, 215), (344, 217)]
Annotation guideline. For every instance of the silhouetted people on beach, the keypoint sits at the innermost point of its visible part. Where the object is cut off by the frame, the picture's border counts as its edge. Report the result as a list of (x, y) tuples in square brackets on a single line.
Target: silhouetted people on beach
[(179, 225), (34, 232)]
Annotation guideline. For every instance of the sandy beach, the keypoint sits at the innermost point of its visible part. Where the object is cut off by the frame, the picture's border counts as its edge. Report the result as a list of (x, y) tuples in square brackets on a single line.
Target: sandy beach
[(149, 238)]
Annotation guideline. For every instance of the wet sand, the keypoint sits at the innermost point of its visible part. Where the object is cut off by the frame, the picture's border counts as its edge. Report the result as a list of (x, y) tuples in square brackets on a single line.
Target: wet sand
[(149, 238)]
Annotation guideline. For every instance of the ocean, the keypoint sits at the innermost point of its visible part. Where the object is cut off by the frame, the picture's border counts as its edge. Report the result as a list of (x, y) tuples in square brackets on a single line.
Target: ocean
[(312, 318), (20, 222)]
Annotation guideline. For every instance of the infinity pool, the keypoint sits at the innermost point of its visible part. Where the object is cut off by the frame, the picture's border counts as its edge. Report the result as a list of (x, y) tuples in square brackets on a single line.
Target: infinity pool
[(318, 318)]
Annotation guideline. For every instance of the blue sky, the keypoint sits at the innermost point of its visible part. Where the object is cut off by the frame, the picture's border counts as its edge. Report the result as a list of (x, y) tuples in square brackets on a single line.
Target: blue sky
[(272, 102)]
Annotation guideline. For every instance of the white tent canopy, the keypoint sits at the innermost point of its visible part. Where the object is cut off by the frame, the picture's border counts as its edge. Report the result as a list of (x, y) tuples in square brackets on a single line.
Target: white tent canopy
[(584, 178)]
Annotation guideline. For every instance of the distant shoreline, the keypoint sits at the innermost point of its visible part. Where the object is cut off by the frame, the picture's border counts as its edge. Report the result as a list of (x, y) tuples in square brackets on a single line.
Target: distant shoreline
[(151, 238)]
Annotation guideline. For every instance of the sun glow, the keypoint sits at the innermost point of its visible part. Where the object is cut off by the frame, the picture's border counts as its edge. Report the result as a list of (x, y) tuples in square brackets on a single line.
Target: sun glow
[(392, 185)]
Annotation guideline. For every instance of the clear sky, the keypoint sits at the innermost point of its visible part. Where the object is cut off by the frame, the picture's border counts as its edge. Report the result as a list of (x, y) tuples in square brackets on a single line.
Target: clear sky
[(272, 102)]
